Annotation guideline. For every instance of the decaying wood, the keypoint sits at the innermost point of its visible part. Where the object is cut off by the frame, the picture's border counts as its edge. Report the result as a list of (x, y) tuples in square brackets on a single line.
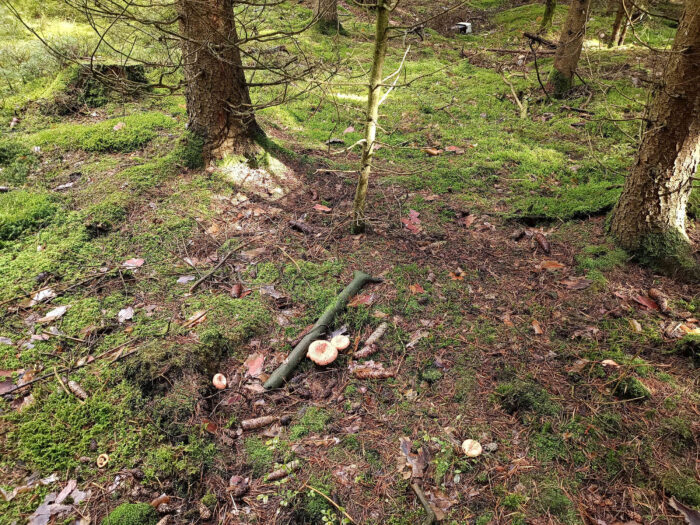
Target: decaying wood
[(283, 472), (370, 345), (430, 518), (299, 351), (258, 422)]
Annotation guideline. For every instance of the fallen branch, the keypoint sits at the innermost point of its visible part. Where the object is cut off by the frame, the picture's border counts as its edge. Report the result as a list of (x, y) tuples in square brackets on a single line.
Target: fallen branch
[(299, 351), (543, 41), (518, 51), (219, 265)]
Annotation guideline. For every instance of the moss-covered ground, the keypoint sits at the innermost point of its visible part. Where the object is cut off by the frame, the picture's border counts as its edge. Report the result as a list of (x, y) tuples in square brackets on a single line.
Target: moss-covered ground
[(583, 392)]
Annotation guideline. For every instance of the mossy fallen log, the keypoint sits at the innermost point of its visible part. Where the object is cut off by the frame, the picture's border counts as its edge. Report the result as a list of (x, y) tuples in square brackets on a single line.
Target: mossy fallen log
[(297, 354)]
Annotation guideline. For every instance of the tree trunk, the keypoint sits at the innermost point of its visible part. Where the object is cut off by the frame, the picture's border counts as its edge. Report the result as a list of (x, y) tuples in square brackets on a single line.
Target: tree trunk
[(617, 24), (623, 31), (650, 216), (549, 7), (219, 110), (373, 99), (569, 48), (327, 13)]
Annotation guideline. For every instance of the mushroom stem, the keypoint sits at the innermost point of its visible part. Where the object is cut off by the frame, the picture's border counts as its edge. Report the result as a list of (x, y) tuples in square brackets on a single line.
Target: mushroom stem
[(297, 354)]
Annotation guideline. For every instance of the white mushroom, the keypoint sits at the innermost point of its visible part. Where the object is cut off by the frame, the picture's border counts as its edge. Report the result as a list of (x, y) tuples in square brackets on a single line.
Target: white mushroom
[(471, 448), (219, 381), (341, 342), (322, 352)]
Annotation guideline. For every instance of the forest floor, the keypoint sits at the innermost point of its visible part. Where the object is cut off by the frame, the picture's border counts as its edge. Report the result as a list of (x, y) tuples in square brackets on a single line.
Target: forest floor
[(513, 319)]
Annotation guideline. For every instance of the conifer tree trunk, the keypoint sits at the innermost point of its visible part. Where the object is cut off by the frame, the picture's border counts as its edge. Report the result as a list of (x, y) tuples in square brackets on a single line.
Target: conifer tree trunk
[(569, 48), (373, 99), (327, 13), (650, 217), (617, 24), (219, 110), (550, 6)]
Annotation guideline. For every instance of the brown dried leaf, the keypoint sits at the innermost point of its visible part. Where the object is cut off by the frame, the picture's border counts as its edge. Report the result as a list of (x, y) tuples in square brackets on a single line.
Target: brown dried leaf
[(417, 462), (647, 303), (322, 208), (433, 152), (551, 265), (416, 289), (362, 299), (537, 327)]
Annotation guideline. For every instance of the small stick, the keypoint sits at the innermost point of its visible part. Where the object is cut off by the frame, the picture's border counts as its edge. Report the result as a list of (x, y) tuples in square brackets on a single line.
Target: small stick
[(431, 518), (211, 272), (63, 385), (219, 265), (330, 501), (70, 369)]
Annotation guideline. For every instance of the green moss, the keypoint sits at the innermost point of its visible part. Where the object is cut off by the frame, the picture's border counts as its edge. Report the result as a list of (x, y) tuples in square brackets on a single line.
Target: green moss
[(683, 487), (259, 456), (229, 322), (184, 464), (689, 346), (567, 202), (560, 82), (484, 519), (601, 257), (137, 131), (554, 501), (22, 211), (209, 500), (669, 253), (630, 387), (57, 430), (132, 514), (190, 151), (525, 395), (314, 420), (431, 374)]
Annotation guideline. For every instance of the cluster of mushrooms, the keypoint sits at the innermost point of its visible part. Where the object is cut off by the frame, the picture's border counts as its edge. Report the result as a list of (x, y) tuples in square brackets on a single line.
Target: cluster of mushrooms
[(324, 352)]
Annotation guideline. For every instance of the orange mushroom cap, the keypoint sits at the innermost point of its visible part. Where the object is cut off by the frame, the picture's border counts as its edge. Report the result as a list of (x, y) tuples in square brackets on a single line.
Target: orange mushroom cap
[(341, 342), (322, 352)]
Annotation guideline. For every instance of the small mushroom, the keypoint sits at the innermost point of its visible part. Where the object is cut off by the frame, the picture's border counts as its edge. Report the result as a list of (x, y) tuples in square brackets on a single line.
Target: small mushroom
[(102, 460), (341, 342), (322, 352), (471, 448), (219, 381)]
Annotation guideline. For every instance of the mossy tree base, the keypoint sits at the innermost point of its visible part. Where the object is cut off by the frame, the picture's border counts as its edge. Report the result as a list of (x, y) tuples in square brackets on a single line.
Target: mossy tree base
[(560, 83), (330, 28)]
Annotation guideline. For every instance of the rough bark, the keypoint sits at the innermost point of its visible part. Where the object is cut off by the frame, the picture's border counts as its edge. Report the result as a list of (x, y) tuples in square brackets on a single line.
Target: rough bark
[(650, 217), (617, 24), (219, 110), (327, 13), (549, 7), (569, 48), (373, 99)]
